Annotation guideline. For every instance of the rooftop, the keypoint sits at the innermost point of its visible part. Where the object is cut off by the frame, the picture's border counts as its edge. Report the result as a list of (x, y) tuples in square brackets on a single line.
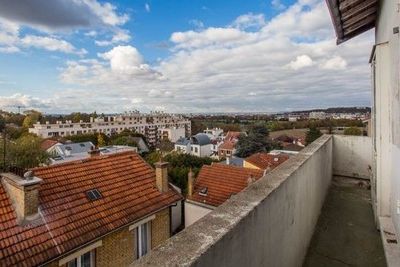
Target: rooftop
[(221, 182), (265, 160), (69, 218)]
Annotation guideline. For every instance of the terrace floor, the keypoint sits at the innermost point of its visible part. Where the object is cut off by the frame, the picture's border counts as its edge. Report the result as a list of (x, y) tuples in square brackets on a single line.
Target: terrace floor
[(346, 234)]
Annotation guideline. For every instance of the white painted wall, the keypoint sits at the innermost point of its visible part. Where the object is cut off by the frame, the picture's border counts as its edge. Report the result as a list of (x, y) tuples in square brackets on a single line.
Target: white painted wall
[(176, 212), (194, 212), (386, 121), (270, 223), (352, 156)]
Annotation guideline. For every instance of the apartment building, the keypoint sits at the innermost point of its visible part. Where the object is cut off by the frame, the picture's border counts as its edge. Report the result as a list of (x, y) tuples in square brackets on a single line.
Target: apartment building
[(146, 124), (102, 211)]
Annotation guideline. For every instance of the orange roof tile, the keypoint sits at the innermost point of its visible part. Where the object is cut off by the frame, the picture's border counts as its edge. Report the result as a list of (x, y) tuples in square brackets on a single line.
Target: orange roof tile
[(221, 182), (266, 160), (46, 144), (68, 218)]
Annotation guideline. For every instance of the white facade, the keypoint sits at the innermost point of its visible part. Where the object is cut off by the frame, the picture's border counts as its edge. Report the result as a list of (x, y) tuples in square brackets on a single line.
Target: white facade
[(146, 124), (201, 150), (172, 134), (386, 114), (195, 211)]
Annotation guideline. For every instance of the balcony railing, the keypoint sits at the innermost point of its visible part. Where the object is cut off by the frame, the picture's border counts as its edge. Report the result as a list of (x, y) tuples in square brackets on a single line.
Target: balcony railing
[(271, 222)]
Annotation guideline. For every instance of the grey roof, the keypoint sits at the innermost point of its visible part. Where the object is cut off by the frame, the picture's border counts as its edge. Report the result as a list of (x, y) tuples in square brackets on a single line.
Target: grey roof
[(75, 148), (182, 141), (141, 144), (235, 161), (201, 139)]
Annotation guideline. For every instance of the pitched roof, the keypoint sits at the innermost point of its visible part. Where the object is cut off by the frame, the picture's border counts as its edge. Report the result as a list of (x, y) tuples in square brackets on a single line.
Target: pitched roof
[(201, 139), (74, 148), (221, 182), (230, 140), (68, 218), (47, 143), (266, 160)]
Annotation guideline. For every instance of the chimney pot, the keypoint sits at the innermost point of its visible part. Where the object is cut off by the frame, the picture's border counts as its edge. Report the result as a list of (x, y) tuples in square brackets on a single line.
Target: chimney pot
[(162, 176)]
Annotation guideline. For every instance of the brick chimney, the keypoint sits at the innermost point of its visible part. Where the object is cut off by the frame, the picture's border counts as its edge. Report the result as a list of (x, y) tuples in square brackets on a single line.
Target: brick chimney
[(190, 183), (162, 176), (24, 195)]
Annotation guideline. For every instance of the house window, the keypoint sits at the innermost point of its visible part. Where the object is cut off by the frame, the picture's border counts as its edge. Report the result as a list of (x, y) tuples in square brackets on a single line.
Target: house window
[(143, 240), (86, 260), (195, 150)]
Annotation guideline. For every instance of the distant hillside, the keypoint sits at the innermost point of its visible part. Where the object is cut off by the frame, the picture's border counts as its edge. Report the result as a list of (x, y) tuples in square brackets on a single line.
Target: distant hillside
[(338, 110)]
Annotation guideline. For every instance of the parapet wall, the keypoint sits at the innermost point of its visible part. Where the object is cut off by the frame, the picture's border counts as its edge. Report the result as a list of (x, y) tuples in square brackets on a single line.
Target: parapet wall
[(352, 156), (268, 224)]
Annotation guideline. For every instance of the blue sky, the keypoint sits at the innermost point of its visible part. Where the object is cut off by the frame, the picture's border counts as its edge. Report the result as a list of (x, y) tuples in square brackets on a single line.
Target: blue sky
[(177, 56)]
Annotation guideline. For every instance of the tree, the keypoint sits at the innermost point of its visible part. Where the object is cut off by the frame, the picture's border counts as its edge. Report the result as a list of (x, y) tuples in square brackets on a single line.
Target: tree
[(25, 152), (28, 122), (165, 146), (352, 131), (76, 117), (123, 141), (256, 141), (312, 134), (100, 140)]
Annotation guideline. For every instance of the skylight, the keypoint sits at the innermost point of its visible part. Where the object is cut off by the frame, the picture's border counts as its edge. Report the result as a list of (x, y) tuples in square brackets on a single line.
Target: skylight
[(93, 194)]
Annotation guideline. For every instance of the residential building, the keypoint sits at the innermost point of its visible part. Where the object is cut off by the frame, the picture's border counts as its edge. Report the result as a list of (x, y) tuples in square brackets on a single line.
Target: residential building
[(228, 147), (198, 145), (146, 124), (172, 134), (332, 196), (61, 153), (317, 115), (102, 211), (264, 161), (214, 134), (213, 186)]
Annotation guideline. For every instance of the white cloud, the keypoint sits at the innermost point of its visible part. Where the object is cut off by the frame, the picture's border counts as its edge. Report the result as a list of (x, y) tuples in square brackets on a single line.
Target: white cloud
[(147, 7), (335, 63), (91, 33), (51, 44), (249, 20), (26, 101), (277, 4), (198, 24), (300, 62), (229, 69), (121, 36)]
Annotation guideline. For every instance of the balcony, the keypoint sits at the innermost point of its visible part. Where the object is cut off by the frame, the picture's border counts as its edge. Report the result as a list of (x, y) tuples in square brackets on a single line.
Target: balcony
[(313, 210)]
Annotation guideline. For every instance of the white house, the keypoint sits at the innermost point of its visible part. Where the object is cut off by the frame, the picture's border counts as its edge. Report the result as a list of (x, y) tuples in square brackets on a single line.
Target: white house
[(198, 145), (172, 134)]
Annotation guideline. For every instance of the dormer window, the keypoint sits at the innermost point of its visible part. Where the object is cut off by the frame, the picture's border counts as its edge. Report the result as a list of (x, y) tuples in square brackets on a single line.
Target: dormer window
[(203, 192)]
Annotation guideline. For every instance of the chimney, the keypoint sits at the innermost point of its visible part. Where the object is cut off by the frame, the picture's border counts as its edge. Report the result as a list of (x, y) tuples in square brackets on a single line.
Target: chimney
[(190, 183), (162, 176), (24, 195), (94, 152)]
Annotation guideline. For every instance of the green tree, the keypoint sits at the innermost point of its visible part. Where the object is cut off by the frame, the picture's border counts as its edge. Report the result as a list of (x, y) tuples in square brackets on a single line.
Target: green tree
[(24, 152), (28, 122), (312, 134), (256, 141), (352, 131), (76, 117), (100, 140), (123, 141)]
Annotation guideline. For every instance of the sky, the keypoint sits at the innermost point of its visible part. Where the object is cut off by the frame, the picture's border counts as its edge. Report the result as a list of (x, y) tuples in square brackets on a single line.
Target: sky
[(178, 56)]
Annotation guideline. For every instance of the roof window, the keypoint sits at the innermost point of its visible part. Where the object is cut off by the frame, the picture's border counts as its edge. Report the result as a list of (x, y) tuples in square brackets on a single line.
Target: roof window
[(93, 194)]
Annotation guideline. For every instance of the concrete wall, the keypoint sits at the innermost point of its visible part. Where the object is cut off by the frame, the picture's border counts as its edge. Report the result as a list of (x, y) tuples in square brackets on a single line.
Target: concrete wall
[(194, 212), (270, 223), (352, 156), (387, 112)]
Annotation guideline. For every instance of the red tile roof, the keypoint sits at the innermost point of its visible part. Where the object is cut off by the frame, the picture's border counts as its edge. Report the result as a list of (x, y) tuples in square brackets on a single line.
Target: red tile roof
[(68, 219), (46, 144), (266, 160), (230, 140), (221, 182)]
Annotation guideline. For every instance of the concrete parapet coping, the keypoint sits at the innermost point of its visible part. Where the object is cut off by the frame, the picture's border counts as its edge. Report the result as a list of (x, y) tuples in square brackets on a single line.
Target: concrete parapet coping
[(187, 247)]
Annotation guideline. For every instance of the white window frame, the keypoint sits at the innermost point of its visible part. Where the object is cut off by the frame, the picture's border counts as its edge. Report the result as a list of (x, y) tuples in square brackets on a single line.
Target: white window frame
[(77, 255), (139, 237), (79, 259)]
